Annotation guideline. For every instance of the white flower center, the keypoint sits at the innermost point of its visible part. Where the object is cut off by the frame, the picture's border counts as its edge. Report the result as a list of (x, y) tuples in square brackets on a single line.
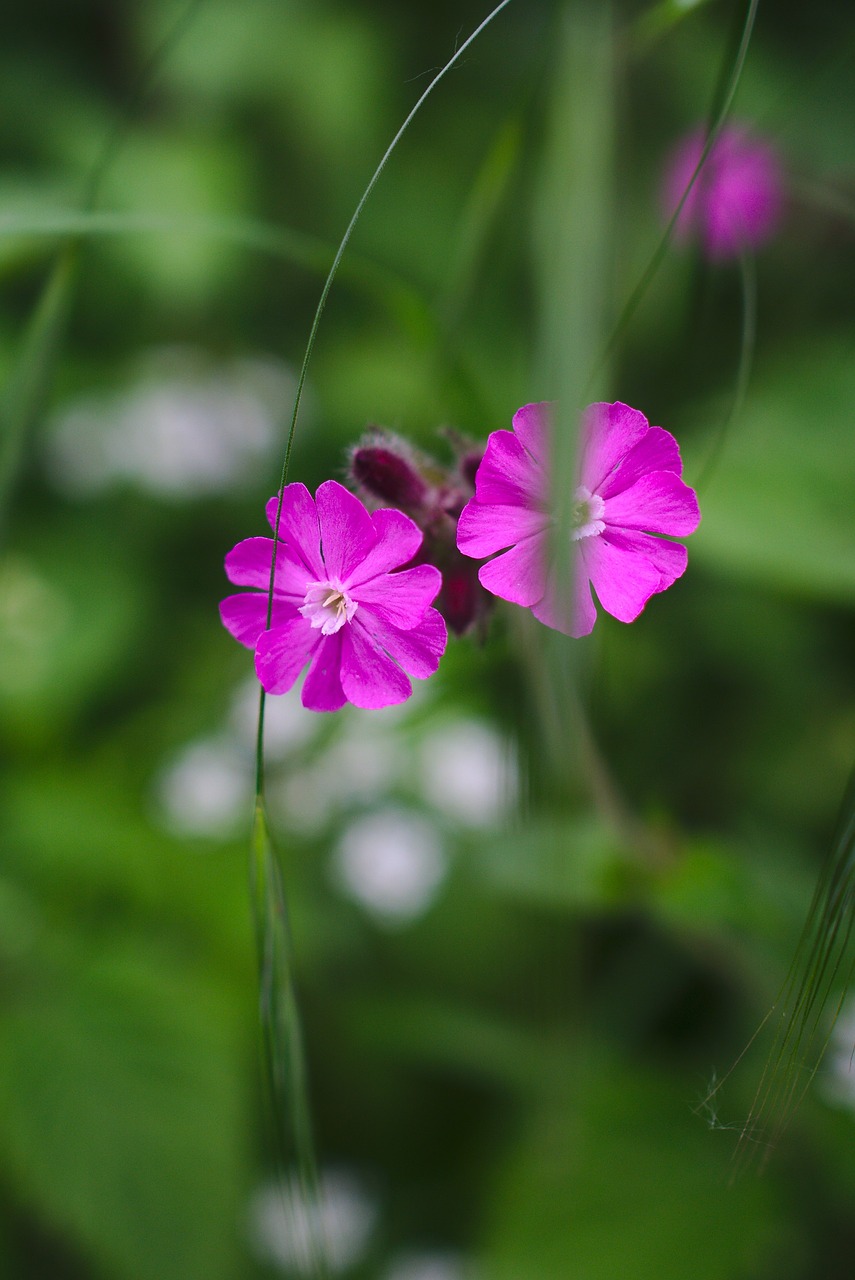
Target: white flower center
[(586, 516), (328, 606)]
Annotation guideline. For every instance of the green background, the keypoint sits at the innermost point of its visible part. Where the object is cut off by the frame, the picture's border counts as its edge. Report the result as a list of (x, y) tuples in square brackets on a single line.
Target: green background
[(509, 1081)]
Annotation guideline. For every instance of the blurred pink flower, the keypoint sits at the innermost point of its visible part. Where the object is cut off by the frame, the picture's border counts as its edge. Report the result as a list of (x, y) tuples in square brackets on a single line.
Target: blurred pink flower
[(628, 488), (736, 200), (337, 605)]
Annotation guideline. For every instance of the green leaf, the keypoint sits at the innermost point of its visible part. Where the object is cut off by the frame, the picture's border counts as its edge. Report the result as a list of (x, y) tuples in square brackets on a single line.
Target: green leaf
[(560, 864), (617, 1177), (121, 1112), (779, 508)]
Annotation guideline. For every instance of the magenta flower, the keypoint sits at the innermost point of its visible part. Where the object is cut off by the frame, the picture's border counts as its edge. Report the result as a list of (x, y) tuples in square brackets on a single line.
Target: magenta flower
[(736, 200), (628, 489), (337, 603)]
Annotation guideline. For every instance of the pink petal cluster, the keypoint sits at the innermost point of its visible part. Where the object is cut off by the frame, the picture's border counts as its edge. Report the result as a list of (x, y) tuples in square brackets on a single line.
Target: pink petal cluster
[(737, 198), (628, 488), (338, 605)]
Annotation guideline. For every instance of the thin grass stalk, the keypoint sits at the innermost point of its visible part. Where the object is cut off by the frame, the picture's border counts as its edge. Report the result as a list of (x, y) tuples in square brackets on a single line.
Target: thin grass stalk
[(747, 347), (820, 960), (282, 1038), (726, 97), (280, 1008)]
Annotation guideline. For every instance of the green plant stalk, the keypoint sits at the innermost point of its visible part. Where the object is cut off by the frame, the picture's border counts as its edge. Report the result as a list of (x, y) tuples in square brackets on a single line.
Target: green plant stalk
[(279, 1006), (725, 94)]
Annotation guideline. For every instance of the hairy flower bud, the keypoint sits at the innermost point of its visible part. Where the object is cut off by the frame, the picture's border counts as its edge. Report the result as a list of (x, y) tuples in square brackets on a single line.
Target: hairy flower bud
[(386, 469), (389, 472)]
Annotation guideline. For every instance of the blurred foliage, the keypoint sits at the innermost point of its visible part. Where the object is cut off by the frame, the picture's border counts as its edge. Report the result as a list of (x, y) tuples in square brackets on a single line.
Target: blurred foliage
[(512, 1038)]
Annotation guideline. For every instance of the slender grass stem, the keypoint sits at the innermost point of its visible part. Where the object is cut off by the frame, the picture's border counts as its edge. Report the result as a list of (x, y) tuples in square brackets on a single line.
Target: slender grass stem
[(747, 346), (726, 97), (279, 1005)]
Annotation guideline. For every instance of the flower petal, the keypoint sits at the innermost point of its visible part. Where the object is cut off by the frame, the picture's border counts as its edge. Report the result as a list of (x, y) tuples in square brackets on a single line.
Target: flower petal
[(608, 433), (532, 427), (369, 677), (298, 526), (245, 615), (418, 650), (669, 559), (656, 451), (347, 534), (282, 652), (508, 475), (571, 612), (322, 689), (623, 578), (401, 598), (248, 565), (518, 575), (398, 540), (483, 529), (657, 503)]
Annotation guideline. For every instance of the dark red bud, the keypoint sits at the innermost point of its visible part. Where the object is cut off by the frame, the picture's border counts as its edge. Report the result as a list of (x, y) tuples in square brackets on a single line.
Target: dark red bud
[(388, 475)]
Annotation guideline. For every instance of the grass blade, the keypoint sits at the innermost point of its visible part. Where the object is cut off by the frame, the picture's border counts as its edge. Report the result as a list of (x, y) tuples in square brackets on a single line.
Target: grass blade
[(747, 345), (282, 1038), (26, 390), (722, 103)]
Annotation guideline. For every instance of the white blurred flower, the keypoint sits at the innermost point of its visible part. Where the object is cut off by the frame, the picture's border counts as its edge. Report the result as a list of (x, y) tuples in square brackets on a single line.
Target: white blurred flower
[(840, 1060), (185, 427), (287, 724), (392, 862), (468, 772), (362, 764), (426, 1266), (206, 790), (287, 1230)]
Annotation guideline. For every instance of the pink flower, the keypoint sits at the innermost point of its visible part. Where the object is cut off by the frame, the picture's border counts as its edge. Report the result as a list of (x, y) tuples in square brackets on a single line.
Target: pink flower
[(337, 604), (628, 488), (736, 200)]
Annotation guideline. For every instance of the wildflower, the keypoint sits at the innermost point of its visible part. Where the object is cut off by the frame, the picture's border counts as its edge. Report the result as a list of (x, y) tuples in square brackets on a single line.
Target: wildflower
[(628, 488), (736, 200), (337, 604), (384, 468)]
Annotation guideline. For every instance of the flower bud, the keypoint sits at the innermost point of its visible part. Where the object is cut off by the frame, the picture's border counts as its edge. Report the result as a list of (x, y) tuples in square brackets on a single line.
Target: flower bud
[(385, 468)]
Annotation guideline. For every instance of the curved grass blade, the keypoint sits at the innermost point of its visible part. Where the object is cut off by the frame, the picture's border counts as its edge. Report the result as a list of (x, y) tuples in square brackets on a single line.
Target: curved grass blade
[(294, 247), (282, 1040), (313, 333), (25, 392), (333, 271), (284, 1051), (747, 345), (659, 20), (822, 971), (823, 968), (723, 101)]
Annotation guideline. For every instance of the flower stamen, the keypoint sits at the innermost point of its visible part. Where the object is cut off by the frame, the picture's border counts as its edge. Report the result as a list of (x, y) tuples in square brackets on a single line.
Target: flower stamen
[(328, 606), (586, 516)]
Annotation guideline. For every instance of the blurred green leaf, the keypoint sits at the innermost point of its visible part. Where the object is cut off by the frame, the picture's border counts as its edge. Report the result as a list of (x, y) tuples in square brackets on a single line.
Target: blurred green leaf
[(122, 1111), (559, 864), (779, 508), (617, 1177)]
